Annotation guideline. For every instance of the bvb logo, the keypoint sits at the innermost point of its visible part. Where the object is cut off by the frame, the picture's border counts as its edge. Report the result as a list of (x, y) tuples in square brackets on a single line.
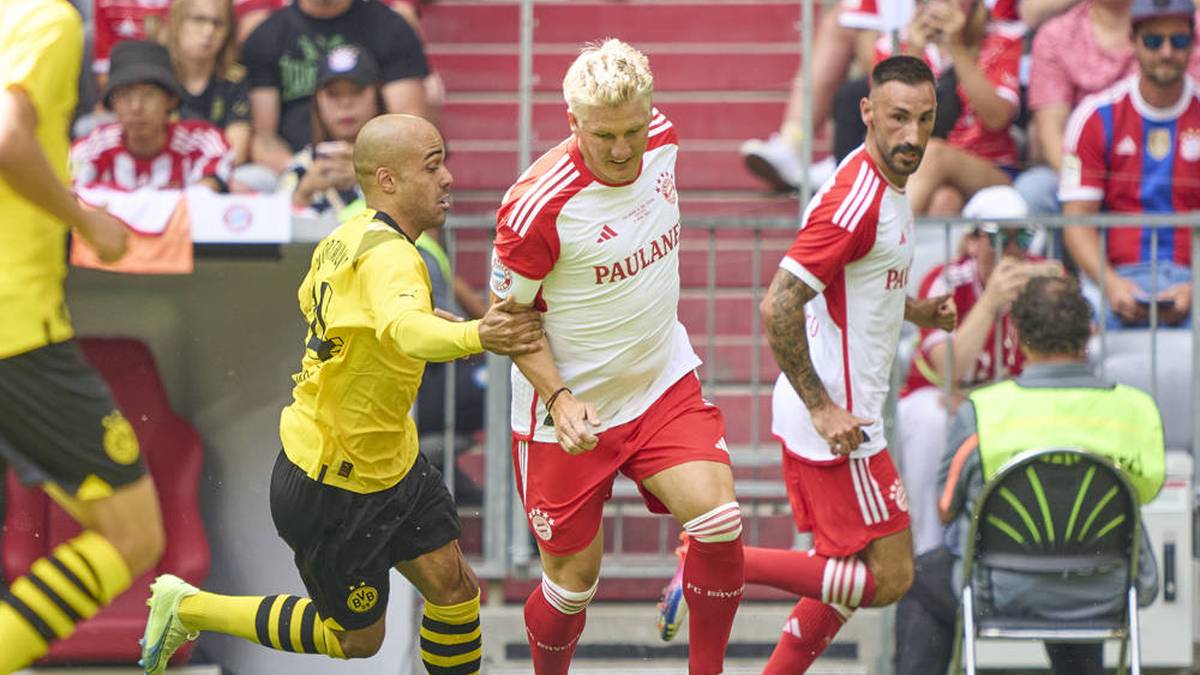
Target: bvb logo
[(362, 599), (120, 443)]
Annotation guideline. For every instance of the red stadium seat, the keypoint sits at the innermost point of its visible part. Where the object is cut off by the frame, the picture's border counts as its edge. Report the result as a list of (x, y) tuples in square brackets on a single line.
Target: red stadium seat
[(34, 524)]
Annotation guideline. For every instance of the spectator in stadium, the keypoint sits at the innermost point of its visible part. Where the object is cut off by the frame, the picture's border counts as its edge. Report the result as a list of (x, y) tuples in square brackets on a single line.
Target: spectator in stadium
[(282, 57), (350, 493), (983, 287), (854, 249), (321, 177), (985, 55), (200, 39), (1053, 321), (1082, 51), (615, 388), (115, 21), (1135, 148), (59, 425), (846, 34), (250, 13), (144, 147)]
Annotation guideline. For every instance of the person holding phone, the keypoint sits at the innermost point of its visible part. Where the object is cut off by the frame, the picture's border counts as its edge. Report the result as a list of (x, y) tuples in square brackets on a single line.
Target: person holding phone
[(1135, 148), (321, 177)]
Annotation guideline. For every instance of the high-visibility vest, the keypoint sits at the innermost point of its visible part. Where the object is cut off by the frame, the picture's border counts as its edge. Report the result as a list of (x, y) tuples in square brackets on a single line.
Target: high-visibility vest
[(1119, 422)]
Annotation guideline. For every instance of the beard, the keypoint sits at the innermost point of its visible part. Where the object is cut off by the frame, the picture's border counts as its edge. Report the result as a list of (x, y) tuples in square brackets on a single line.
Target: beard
[(899, 166)]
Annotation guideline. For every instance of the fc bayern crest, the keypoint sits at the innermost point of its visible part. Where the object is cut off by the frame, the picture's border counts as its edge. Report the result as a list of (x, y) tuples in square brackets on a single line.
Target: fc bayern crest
[(1189, 145), (543, 525), (666, 187), (1158, 143)]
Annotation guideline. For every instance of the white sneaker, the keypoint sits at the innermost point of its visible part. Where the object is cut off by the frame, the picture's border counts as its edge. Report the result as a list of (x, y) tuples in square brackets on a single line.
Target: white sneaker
[(820, 172), (774, 161)]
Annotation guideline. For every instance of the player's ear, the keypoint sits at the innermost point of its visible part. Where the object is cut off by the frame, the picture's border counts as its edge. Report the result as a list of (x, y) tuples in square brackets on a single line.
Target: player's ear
[(572, 121), (865, 109), (385, 179)]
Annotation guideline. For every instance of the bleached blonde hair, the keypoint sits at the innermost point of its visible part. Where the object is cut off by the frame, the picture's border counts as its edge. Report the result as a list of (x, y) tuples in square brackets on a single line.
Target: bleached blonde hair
[(608, 73)]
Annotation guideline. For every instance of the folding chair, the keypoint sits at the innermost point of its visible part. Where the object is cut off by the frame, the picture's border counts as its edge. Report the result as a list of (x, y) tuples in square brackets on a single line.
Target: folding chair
[(1052, 511)]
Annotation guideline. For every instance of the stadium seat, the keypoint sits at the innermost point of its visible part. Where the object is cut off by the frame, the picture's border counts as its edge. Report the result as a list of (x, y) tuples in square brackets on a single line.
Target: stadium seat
[(174, 453)]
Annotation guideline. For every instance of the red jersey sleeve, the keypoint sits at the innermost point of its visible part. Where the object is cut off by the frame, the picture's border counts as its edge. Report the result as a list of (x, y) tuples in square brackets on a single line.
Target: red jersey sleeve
[(1003, 69), (104, 36), (838, 227), (1084, 164)]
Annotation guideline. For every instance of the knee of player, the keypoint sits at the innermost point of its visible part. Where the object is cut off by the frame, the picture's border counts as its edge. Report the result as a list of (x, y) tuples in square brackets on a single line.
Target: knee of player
[(141, 545), (892, 581), (361, 644), (455, 586)]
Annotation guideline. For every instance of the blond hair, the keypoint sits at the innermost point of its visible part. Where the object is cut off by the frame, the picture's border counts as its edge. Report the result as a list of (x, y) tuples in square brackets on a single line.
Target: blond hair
[(226, 56), (609, 73)]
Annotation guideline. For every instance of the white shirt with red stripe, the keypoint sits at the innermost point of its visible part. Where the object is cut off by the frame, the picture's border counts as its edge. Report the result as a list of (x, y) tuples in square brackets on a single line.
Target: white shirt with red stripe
[(604, 263), (855, 247), (195, 150), (119, 20)]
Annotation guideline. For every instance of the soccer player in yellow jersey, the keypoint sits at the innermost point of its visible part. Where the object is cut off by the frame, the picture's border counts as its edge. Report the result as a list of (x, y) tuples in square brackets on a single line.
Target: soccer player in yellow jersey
[(59, 427), (350, 493)]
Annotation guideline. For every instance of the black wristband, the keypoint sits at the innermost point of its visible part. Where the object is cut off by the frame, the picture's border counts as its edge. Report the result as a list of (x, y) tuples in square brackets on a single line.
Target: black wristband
[(554, 397)]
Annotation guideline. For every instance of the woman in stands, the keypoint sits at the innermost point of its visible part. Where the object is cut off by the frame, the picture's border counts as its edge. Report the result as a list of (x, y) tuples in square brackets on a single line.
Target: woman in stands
[(321, 178), (202, 42)]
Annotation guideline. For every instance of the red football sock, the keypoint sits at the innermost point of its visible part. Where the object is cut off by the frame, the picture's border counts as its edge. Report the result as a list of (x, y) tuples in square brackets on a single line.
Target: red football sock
[(839, 581), (712, 586), (808, 631), (554, 620)]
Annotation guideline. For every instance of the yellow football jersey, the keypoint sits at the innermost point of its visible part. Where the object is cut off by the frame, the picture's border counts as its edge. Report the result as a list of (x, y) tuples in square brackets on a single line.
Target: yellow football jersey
[(371, 328), (41, 45)]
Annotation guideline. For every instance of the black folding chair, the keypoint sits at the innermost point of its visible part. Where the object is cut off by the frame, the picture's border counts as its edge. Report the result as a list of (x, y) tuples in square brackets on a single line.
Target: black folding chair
[(1052, 511)]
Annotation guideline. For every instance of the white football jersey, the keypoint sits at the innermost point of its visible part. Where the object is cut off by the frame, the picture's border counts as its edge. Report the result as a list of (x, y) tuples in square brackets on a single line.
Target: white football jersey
[(603, 261), (855, 248)]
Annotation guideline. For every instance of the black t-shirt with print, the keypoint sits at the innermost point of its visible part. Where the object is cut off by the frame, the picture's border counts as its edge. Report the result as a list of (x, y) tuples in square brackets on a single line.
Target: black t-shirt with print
[(223, 102), (284, 53)]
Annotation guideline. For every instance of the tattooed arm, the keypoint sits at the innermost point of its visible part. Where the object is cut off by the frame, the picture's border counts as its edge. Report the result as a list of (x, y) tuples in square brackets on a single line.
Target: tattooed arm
[(783, 316)]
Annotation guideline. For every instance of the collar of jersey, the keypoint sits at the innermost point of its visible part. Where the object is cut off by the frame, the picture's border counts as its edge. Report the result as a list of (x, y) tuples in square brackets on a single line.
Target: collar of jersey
[(1161, 114), (387, 220)]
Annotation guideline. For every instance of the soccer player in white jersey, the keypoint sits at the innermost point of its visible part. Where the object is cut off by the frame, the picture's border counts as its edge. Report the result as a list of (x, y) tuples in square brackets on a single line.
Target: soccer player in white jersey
[(833, 315), (590, 236)]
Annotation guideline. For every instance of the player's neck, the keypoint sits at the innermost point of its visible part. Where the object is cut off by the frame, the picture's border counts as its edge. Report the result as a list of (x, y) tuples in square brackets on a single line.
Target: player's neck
[(392, 218), (324, 9)]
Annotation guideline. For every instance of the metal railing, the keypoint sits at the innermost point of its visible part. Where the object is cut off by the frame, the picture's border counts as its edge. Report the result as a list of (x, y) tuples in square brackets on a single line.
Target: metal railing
[(507, 546)]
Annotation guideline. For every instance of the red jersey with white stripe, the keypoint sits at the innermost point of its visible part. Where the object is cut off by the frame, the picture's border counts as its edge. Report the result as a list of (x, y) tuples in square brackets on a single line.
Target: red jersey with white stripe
[(195, 150), (1000, 61), (119, 20), (855, 247), (606, 258), (1135, 158), (961, 279)]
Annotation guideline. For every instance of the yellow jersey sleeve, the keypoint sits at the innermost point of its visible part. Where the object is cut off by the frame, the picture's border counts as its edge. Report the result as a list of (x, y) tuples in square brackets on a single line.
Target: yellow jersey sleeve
[(42, 51), (396, 288)]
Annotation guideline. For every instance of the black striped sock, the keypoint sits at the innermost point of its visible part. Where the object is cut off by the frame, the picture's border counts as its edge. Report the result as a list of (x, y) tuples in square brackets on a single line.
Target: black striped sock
[(451, 642), (290, 623)]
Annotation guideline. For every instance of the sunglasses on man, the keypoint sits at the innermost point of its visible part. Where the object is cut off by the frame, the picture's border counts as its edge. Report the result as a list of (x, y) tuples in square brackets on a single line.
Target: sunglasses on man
[(1179, 41)]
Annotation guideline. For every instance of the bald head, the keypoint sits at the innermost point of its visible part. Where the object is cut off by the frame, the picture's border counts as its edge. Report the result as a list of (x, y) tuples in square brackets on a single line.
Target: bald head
[(401, 143)]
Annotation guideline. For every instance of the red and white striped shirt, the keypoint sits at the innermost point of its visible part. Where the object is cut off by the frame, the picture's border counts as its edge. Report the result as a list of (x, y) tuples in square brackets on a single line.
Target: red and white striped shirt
[(195, 150), (855, 247), (606, 261), (119, 20)]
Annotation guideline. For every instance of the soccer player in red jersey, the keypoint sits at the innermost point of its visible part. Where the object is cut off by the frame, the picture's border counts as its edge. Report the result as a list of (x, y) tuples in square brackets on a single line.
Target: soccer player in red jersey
[(833, 315), (590, 236)]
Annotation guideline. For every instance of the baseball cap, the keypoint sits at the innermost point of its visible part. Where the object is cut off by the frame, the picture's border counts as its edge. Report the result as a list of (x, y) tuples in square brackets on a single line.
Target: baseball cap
[(1144, 10), (140, 62), (348, 62)]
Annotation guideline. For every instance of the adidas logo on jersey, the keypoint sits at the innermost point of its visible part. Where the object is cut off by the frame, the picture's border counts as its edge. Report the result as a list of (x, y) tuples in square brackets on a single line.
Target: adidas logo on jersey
[(606, 233), (792, 627), (1127, 147)]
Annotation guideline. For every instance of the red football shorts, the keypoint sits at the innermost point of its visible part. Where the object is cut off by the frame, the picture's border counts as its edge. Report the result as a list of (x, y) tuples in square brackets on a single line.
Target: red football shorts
[(564, 494), (846, 504)]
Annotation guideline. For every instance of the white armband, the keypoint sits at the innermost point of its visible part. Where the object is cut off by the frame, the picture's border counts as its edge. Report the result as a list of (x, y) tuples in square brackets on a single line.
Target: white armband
[(506, 283)]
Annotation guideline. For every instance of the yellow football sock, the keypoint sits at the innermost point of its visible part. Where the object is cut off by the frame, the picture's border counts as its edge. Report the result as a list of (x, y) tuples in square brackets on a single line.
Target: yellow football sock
[(450, 638), (284, 622), (71, 584)]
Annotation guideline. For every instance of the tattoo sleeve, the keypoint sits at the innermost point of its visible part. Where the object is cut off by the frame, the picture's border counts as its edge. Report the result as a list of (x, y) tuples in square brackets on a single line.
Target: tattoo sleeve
[(787, 332)]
